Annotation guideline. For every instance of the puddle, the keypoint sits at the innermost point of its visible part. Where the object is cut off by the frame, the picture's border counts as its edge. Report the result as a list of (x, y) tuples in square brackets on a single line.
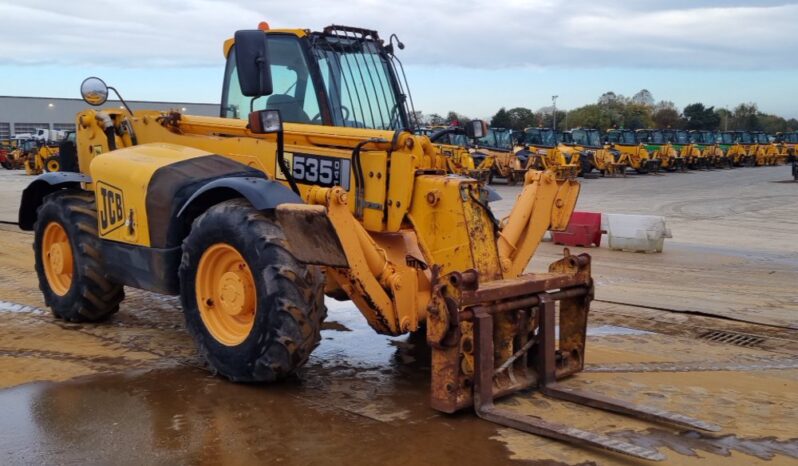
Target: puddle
[(6, 306)]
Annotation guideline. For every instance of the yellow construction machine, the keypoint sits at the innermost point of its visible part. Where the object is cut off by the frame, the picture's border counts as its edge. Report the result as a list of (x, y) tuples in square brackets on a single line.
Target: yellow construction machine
[(694, 157), (495, 152), (37, 157), (789, 144), (628, 148), (539, 149), (302, 189), (458, 156), (741, 148), (593, 154), (660, 148), (708, 142), (767, 152)]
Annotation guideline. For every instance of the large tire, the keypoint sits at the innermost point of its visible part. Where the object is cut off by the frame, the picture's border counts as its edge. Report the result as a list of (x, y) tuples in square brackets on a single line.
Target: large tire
[(281, 324), (86, 296)]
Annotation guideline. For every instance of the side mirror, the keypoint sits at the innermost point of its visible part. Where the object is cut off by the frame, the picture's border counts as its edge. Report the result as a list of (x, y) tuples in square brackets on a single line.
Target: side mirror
[(476, 129), (94, 91), (252, 63), (265, 122)]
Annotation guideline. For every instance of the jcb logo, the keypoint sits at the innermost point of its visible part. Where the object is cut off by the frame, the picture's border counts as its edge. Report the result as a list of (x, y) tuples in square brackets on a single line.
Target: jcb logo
[(111, 208)]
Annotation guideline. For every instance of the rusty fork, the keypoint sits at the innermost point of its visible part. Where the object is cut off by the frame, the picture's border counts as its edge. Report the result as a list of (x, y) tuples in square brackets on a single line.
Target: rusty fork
[(545, 359)]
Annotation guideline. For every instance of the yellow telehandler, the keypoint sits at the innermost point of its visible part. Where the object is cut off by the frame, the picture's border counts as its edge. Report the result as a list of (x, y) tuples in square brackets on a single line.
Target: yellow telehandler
[(495, 152), (300, 189), (458, 155), (708, 142), (630, 150), (660, 147), (593, 154), (539, 149)]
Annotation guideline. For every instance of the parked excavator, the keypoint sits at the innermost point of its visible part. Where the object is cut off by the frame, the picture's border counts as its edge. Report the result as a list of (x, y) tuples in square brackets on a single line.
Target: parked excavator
[(302, 189)]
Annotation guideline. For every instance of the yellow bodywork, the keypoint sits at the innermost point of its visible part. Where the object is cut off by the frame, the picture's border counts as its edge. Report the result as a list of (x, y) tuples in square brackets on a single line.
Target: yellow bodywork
[(436, 219)]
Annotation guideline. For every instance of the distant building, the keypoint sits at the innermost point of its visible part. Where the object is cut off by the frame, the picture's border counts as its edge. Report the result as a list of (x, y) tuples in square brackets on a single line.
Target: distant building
[(20, 115)]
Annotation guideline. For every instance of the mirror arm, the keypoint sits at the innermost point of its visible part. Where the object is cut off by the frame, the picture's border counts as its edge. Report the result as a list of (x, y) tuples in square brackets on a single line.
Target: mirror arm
[(121, 100)]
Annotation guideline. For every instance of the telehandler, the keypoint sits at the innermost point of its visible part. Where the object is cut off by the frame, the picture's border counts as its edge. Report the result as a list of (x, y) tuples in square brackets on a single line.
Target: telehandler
[(707, 143), (660, 148), (539, 149), (495, 152), (301, 189), (631, 151), (592, 153), (457, 154), (789, 142), (767, 153), (740, 145), (694, 158)]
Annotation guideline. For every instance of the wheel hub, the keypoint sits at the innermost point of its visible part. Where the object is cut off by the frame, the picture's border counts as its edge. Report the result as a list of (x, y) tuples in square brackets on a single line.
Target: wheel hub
[(57, 260), (226, 295)]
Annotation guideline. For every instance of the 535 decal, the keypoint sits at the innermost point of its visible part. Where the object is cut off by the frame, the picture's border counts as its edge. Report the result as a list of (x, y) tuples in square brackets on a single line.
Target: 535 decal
[(317, 170)]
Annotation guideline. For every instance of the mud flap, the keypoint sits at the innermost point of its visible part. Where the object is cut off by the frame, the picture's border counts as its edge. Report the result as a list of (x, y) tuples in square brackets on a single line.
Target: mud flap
[(310, 235)]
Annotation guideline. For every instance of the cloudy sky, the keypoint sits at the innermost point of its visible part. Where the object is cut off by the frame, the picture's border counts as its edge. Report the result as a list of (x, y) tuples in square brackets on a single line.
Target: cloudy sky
[(466, 55)]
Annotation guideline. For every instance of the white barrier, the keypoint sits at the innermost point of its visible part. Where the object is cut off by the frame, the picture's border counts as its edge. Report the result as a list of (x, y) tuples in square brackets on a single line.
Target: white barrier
[(638, 233)]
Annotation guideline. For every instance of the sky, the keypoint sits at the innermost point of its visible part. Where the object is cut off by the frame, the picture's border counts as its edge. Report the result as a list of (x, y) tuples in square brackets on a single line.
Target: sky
[(470, 56)]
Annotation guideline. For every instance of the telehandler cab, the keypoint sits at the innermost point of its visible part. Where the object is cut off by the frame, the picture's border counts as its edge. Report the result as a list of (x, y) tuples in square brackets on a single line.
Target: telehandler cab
[(300, 189)]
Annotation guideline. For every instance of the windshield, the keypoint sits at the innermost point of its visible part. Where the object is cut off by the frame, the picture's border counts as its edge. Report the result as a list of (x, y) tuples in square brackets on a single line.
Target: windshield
[(359, 83), (762, 138), (682, 137), (540, 137), (497, 138), (586, 137), (791, 137), (657, 137), (744, 137), (726, 138), (627, 137), (565, 137), (353, 75)]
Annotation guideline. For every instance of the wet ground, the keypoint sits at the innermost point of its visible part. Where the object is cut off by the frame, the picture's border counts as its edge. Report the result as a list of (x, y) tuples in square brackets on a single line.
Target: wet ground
[(133, 391)]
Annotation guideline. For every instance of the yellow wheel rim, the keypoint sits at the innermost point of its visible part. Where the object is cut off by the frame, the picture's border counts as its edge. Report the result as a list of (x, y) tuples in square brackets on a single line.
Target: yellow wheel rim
[(52, 166), (57, 258), (226, 294)]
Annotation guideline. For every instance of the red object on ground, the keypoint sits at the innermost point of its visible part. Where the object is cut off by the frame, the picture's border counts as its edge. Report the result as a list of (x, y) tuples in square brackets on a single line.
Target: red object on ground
[(584, 230)]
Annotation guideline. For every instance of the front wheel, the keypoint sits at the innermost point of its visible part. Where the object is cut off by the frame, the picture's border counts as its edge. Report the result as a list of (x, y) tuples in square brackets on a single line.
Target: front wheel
[(254, 310)]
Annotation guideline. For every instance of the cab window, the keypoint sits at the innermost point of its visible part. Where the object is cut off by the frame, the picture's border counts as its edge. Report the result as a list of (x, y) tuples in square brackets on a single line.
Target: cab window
[(294, 93)]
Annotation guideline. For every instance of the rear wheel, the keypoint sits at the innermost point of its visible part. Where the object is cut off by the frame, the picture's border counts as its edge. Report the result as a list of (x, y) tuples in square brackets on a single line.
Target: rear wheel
[(254, 310), (68, 261), (52, 164)]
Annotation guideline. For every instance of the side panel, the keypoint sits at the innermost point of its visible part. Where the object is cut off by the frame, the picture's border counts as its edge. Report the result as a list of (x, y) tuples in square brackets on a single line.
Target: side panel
[(134, 183)]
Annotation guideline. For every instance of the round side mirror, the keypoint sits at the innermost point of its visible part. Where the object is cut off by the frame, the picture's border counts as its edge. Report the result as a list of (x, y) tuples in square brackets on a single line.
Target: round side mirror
[(94, 91)]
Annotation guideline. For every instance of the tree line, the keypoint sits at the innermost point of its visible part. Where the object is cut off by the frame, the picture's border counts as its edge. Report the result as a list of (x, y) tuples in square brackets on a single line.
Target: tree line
[(613, 110)]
